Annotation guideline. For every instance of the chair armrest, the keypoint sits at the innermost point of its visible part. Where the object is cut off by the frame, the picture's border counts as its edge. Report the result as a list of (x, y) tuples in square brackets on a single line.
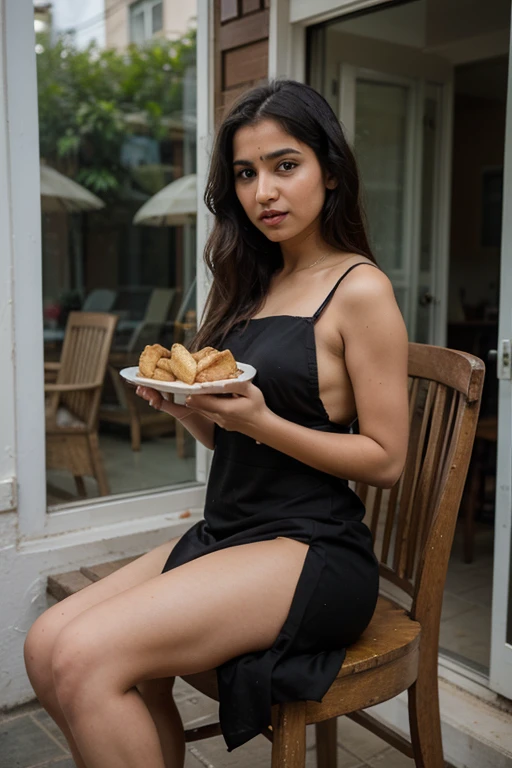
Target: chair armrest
[(51, 366), (70, 387)]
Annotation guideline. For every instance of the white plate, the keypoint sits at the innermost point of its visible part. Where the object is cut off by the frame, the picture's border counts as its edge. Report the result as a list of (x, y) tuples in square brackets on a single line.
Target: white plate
[(180, 390)]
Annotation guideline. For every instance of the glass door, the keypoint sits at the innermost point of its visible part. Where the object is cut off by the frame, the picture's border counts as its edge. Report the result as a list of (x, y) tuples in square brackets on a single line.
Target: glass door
[(392, 124), (501, 644)]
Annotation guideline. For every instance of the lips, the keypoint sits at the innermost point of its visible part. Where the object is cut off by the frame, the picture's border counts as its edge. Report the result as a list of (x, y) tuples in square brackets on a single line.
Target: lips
[(273, 217)]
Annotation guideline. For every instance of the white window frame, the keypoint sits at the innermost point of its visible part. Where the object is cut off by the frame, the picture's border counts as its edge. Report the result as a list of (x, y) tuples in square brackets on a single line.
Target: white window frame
[(24, 468), (146, 8)]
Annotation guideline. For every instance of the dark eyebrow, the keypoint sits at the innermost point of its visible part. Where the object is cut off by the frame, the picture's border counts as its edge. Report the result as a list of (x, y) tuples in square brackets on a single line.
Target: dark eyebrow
[(271, 156)]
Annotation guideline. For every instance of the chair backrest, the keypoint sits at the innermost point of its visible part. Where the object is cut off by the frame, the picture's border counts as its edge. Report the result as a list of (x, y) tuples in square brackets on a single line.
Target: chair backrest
[(149, 329), (84, 358), (99, 300), (413, 523), (158, 305)]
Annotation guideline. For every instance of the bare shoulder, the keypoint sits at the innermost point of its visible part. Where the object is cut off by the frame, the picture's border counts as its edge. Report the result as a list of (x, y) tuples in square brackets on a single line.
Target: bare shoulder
[(364, 287)]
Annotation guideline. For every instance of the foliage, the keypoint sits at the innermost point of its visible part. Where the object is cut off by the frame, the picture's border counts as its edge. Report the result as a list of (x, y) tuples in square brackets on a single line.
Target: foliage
[(86, 99)]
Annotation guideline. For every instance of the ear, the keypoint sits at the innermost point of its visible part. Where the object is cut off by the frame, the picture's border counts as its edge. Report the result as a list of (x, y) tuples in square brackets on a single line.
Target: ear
[(330, 181)]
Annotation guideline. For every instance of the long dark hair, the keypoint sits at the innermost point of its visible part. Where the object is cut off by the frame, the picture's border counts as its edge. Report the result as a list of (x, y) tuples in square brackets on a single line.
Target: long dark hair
[(242, 260)]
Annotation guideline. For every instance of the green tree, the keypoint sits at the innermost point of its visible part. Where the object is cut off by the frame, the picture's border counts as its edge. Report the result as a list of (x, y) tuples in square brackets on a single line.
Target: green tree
[(91, 100)]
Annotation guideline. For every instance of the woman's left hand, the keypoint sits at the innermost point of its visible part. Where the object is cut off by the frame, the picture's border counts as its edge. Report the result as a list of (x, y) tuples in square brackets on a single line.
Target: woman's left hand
[(243, 411)]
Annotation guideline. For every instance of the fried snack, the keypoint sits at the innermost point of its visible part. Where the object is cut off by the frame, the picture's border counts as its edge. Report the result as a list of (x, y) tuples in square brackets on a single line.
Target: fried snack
[(161, 374), (223, 366), (164, 364), (202, 353), (150, 357), (183, 364), (207, 360)]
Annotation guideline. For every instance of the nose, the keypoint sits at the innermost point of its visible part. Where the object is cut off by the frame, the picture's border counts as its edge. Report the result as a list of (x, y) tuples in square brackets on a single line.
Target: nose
[(266, 189)]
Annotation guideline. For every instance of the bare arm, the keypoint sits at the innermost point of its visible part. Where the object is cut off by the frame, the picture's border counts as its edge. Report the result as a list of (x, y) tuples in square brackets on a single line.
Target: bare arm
[(199, 426), (375, 346)]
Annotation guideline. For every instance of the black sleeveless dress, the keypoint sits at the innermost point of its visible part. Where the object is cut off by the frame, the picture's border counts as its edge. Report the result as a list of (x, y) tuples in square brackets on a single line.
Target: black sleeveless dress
[(256, 493)]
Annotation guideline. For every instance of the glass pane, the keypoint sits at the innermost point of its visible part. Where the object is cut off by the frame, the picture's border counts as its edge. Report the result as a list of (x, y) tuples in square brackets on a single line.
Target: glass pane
[(380, 146), (117, 125), (157, 18), (138, 27)]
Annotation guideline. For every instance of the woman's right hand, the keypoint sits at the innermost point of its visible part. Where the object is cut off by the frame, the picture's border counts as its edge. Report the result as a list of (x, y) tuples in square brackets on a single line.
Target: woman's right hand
[(199, 425), (160, 403)]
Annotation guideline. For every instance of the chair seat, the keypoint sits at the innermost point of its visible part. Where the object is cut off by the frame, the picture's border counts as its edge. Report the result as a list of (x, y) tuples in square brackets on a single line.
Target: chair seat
[(390, 636), (64, 420)]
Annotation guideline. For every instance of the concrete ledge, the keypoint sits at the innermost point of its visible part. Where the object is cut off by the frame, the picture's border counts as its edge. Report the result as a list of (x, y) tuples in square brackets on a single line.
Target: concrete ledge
[(476, 734)]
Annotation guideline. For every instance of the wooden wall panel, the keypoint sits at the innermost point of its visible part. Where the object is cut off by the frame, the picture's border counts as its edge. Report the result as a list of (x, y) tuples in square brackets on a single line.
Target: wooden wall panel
[(241, 49), (250, 6), (246, 65)]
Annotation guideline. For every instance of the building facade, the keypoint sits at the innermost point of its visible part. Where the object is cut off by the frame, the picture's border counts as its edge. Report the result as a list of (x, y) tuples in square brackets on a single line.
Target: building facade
[(136, 22), (422, 90)]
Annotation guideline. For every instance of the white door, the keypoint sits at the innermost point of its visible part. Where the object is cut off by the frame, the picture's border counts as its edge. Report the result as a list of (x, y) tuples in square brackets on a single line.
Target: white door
[(395, 126), (501, 643)]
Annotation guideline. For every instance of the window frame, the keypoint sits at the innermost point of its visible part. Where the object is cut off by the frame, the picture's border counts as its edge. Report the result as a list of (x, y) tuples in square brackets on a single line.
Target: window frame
[(23, 415)]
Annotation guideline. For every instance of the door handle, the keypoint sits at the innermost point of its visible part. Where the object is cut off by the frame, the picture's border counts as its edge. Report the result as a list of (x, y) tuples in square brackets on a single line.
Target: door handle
[(492, 355)]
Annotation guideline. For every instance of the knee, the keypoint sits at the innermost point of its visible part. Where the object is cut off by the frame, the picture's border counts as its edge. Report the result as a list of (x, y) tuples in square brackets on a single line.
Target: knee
[(38, 651), (75, 665)]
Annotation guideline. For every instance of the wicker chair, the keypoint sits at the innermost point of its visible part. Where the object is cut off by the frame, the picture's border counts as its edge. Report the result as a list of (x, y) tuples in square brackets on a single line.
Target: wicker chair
[(73, 399)]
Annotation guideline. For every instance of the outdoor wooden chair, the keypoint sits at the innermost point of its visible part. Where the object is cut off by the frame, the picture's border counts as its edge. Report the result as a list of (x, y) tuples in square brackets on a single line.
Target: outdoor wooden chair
[(413, 525), (73, 399)]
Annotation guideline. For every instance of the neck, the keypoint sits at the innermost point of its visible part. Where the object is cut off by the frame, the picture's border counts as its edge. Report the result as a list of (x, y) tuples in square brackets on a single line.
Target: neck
[(304, 249)]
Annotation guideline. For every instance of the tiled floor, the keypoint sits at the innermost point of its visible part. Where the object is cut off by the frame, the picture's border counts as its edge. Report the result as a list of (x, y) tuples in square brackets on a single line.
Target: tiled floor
[(466, 618), (154, 466), (30, 739)]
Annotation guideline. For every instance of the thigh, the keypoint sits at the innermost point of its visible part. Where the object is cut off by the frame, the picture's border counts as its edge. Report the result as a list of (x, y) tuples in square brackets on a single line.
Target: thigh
[(53, 620), (187, 620)]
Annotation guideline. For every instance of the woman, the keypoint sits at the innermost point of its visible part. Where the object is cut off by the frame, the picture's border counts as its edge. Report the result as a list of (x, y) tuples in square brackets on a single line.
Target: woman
[(281, 576)]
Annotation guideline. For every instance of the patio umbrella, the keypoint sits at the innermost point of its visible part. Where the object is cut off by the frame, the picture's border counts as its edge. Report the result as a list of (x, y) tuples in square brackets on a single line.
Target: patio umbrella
[(58, 193), (175, 204)]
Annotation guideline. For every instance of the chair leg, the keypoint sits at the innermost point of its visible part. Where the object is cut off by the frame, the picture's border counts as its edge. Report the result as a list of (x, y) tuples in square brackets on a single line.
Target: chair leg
[(326, 744), (135, 432), (97, 463), (80, 485), (289, 735), (425, 723)]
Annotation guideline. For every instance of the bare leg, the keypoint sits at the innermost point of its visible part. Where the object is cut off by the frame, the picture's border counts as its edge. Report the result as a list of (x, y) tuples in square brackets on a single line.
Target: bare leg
[(41, 638), (185, 621)]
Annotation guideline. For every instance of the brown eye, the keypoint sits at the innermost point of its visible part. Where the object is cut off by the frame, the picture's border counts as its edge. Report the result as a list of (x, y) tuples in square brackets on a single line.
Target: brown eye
[(245, 170), (288, 163)]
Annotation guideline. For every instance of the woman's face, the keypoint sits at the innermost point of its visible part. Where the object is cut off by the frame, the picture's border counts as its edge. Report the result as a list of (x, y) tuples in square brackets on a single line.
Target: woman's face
[(278, 181)]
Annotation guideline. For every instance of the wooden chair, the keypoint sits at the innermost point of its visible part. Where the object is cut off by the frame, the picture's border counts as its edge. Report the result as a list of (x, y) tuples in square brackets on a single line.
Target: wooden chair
[(413, 526), (73, 399)]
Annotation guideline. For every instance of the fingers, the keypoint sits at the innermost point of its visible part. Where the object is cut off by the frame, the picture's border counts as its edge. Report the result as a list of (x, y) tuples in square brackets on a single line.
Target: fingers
[(240, 387), (208, 403), (153, 397)]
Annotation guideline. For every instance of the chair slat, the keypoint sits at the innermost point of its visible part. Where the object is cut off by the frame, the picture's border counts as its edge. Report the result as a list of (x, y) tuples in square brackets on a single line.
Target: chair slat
[(426, 480), (406, 509)]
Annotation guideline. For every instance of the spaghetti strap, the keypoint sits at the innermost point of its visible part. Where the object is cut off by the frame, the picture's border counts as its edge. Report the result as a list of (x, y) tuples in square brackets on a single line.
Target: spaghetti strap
[(327, 299)]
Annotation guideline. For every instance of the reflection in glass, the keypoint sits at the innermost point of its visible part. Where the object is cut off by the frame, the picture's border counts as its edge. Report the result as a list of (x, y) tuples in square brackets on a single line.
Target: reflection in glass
[(380, 146), (117, 125)]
